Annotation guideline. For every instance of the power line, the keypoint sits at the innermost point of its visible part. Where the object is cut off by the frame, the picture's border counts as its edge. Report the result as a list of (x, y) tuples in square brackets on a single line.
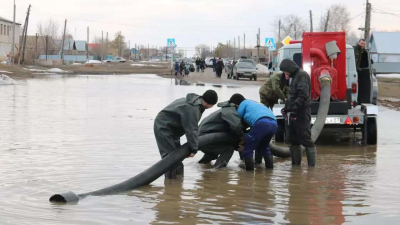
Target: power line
[(386, 13), (357, 16)]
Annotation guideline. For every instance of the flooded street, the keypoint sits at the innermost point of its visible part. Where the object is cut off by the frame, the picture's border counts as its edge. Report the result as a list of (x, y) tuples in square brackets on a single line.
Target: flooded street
[(83, 133)]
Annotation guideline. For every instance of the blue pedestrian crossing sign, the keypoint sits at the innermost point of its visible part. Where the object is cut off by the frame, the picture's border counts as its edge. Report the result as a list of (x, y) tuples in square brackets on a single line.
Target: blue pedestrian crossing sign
[(273, 48), (270, 44), (171, 42)]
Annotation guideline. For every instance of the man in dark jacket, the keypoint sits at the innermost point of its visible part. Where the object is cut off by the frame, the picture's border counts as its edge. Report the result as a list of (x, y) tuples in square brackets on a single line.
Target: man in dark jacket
[(364, 79), (275, 87), (180, 118), (198, 62), (182, 67), (298, 105), (214, 62), (220, 66), (224, 120)]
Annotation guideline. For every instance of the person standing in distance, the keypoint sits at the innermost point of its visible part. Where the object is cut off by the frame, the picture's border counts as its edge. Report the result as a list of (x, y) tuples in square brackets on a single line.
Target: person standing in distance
[(298, 105), (179, 118)]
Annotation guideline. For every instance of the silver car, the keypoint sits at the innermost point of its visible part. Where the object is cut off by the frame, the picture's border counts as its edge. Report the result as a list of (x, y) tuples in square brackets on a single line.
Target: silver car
[(245, 70)]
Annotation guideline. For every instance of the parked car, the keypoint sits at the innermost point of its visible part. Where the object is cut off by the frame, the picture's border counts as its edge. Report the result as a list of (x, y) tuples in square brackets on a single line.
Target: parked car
[(117, 59), (246, 60), (244, 70)]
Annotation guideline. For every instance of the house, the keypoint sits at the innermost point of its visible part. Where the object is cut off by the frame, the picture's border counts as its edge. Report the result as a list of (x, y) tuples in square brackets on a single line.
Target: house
[(6, 37), (385, 51), (264, 54)]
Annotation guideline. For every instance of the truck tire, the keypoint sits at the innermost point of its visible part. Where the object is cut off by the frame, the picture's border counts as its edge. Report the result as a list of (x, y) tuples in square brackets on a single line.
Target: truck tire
[(237, 77), (255, 78), (371, 133)]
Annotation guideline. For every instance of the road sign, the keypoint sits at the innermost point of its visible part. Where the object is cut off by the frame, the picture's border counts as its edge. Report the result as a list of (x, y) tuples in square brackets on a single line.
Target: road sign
[(272, 48), (269, 42), (286, 41), (171, 42)]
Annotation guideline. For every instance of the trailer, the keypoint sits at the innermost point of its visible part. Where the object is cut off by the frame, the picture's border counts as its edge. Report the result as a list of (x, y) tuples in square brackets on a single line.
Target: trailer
[(346, 110)]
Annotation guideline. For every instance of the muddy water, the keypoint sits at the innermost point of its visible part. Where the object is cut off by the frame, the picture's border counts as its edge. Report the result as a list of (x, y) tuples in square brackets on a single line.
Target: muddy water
[(87, 132)]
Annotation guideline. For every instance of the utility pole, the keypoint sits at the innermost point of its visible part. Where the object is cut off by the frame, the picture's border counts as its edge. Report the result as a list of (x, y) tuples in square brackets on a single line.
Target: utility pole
[(258, 45), (279, 32), (63, 40), (295, 32), (234, 47), (102, 47), (311, 25), (367, 24), (244, 44), (327, 22), (239, 44), (26, 32), (107, 45), (148, 51), (229, 48), (130, 52), (87, 45), (37, 36), (21, 41), (13, 40), (47, 41)]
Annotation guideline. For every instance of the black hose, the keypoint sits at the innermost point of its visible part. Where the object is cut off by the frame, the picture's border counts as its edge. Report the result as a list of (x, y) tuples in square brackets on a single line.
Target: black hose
[(149, 175), (284, 152)]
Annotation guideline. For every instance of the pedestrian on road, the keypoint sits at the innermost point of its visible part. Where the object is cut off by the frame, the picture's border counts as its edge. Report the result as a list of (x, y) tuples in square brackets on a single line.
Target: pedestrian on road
[(182, 67), (220, 66), (275, 87), (202, 64), (214, 62), (298, 105), (225, 120), (180, 118), (176, 68), (198, 62), (263, 127), (362, 65)]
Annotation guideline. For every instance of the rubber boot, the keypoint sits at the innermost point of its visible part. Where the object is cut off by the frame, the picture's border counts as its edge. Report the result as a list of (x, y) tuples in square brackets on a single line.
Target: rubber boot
[(295, 151), (170, 174), (311, 156), (179, 169), (206, 159), (220, 164), (257, 157), (269, 161), (249, 162)]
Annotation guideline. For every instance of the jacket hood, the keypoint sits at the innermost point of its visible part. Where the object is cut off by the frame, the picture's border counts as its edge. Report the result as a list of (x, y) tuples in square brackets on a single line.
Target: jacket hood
[(290, 66), (225, 104), (193, 99)]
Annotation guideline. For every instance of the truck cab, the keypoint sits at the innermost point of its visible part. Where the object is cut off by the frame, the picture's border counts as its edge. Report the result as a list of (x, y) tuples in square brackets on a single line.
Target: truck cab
[(359, 116)]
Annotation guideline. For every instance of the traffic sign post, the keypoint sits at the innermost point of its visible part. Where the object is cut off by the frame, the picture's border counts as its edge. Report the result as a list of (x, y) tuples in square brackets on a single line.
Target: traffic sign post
[(271, 45), (171, 43), (286, 41)]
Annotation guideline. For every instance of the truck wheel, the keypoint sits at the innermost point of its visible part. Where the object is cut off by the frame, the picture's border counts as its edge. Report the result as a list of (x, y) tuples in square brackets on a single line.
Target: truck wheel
[(237, 77), (371, 131), (255, 78)]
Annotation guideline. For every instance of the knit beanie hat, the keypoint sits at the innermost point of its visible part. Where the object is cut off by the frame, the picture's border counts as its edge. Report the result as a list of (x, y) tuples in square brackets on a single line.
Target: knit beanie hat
[(237, 99), (210, 97)]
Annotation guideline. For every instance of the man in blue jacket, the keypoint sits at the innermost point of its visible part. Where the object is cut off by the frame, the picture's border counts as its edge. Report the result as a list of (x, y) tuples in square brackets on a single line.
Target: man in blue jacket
[(263, 127)]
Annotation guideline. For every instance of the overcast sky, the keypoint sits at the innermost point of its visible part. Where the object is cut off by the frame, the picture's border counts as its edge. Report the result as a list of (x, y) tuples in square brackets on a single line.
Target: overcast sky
[(190, 22)]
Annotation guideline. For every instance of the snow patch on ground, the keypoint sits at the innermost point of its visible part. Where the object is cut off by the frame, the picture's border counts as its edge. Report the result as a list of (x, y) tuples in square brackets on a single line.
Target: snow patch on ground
[(52, 70), (6, 80), (2, 71), (390, 99), (138, 64), (392, 76), (262, 69), (4, 62), (76, 64)]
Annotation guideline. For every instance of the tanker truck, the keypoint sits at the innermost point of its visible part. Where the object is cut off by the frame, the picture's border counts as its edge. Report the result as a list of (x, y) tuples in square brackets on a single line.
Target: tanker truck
[(325, 55)]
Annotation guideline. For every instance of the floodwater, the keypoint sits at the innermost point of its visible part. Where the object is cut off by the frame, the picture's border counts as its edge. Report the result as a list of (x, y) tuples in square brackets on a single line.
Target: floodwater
[(82, 133)]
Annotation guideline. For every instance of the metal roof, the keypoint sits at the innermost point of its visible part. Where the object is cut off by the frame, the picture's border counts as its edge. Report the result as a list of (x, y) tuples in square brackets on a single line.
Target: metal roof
[(8, 21), (385, 42)]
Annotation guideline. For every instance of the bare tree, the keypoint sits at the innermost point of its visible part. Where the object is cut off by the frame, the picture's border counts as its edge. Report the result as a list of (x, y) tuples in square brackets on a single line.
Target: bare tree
[(119, 42), (203, 50), (97, 47), (291, 25), (49, 28), (339, 19)]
